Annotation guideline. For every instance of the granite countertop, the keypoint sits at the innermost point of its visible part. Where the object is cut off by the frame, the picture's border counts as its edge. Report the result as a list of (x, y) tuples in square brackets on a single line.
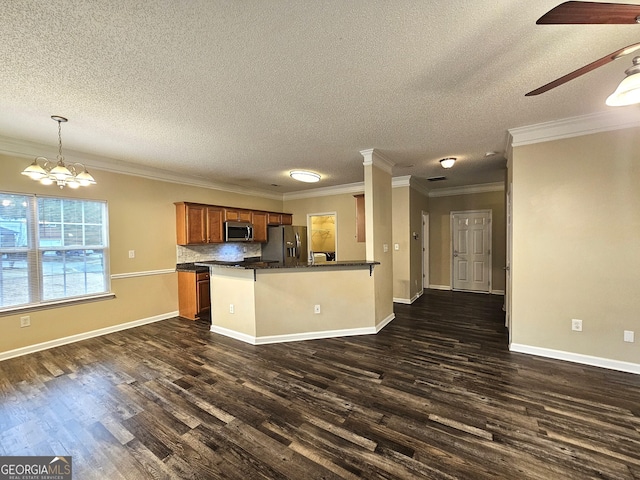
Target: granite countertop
[(271, 265), (190, 267)]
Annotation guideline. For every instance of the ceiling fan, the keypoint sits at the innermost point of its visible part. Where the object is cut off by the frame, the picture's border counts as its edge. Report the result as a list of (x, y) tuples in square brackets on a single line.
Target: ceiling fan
[(592, 13)]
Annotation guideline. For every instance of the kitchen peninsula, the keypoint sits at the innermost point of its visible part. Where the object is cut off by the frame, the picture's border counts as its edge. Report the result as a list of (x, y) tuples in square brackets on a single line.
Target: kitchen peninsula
[(265, 302)]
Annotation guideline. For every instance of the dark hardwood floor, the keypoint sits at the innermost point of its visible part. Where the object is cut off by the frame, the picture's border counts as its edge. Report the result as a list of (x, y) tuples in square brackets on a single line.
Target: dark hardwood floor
[(436, 394)]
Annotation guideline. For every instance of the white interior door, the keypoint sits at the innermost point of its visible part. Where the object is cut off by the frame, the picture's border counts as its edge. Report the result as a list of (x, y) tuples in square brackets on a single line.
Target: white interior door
[(471, 250)]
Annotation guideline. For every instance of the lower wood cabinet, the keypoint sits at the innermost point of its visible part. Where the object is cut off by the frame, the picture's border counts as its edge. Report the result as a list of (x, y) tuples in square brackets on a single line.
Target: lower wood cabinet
[(194, 295)]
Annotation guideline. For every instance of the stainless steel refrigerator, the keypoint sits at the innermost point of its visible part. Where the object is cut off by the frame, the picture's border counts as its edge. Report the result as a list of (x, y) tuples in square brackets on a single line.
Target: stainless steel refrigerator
[(286, 244)]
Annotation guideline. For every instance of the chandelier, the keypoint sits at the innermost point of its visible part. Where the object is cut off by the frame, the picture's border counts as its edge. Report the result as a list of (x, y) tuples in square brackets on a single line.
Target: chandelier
[(73, 175)]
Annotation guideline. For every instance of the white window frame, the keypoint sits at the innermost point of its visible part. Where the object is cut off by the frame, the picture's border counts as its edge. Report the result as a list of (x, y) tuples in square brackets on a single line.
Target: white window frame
[(35, 258)]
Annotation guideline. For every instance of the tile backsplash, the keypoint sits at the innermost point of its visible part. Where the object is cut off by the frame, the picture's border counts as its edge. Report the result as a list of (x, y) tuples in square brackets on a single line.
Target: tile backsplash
[(225, 252)]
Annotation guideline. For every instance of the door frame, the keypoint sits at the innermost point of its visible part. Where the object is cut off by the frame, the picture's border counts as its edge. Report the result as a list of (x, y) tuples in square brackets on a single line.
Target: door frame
[(490, 240), (507, 268), (425, 249)]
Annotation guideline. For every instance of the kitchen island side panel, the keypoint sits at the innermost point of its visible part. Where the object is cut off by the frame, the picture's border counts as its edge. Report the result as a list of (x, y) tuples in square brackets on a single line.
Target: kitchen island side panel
[(286, 301)]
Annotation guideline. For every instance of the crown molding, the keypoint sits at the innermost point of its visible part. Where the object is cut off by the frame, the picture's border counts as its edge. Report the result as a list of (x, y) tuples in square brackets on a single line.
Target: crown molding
[(357, 187), (411, 182), (26, 149), (468, 189), (404, 181), (375, 158), (615, 119)]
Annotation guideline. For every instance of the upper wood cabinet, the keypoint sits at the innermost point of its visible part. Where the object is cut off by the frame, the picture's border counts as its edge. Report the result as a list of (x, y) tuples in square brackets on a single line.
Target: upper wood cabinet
[(259, 220), (274, 218), (198, 224), (286, 219), (237, 215)]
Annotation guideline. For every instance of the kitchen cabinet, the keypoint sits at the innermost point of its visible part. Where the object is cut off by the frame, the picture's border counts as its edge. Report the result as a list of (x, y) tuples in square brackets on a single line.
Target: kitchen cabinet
[(259, 220), (237, 215), (274, 218), (198, 224), (194, 294), (286, 219)]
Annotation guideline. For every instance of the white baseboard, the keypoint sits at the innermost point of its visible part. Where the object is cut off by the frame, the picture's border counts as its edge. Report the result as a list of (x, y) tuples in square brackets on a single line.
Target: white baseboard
[(83, 336), (440, 287), (497, 292), (408, 301), (385, 322), (577, 358), (299, 337)]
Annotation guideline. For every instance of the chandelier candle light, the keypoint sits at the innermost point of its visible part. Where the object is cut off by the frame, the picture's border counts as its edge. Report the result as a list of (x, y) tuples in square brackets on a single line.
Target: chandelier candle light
[(57, 172)]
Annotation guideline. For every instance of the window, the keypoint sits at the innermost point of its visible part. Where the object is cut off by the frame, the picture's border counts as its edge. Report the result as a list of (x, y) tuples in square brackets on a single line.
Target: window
[(51, 249)]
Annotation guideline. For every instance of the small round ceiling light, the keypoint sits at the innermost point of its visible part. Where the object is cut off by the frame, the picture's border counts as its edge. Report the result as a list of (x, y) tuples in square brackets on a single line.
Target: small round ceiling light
[(447, 162), (304, 176)]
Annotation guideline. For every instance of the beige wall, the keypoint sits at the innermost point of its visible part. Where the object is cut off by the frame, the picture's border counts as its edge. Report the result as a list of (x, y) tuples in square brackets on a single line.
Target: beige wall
[(141, 218), (440, 209), (345, 207), (408, 205), (378, 212), (576, 224), (345, 297), (418, 203), (400, 237)]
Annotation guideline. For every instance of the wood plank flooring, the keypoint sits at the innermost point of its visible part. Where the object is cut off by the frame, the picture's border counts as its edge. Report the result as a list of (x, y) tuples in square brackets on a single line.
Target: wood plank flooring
[(436, 395)]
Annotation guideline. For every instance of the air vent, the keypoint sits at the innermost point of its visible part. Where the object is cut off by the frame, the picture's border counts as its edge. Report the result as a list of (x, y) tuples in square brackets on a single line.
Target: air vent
[(436, 179)]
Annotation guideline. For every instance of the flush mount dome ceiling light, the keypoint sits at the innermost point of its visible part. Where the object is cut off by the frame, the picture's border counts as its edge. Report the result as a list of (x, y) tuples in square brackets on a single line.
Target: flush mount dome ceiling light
[(447, 162), (57, 172), (304, 176)]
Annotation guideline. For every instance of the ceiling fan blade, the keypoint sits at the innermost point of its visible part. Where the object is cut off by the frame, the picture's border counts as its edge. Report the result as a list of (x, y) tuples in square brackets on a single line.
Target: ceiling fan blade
[(590, 13), (586, 69)]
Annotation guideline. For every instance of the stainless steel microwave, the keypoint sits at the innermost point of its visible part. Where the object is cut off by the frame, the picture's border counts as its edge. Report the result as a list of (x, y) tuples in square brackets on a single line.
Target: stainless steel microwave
[(238, 232)]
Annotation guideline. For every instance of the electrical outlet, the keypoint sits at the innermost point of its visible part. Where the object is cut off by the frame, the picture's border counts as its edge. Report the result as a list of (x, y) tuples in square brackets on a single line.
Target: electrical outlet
[(231, 309), (629, 336), (576, 325), (385, 247), (132, 254), (25, 321), (316, 309)]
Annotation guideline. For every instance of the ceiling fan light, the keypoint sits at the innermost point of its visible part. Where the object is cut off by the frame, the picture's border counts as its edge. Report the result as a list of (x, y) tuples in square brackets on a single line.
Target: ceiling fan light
[(304, 176), (447, 162), (628, 92)]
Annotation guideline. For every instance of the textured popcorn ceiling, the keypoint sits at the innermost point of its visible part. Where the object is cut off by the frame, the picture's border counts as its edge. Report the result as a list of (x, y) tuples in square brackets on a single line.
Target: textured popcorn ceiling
[(243, 91)]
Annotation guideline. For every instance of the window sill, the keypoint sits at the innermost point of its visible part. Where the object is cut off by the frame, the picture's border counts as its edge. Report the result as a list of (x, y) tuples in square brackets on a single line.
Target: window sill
[(56, 304)]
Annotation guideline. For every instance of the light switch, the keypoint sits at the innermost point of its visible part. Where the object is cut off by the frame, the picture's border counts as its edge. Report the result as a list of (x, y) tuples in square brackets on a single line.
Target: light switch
[(385, 247), (132, 254), (396, 246)]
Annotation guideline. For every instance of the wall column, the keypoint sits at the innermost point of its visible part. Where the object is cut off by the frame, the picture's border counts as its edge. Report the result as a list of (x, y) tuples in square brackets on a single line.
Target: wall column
[(377, 195)]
